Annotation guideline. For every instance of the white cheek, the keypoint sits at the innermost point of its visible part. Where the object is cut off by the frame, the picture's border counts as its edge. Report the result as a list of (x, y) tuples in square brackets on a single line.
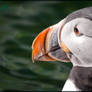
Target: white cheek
[(73, 42), (76, 43), (77, 39), (80, 46)]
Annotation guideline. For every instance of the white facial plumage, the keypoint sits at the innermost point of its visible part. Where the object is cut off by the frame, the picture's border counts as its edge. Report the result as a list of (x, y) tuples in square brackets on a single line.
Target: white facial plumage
[(79, 45)]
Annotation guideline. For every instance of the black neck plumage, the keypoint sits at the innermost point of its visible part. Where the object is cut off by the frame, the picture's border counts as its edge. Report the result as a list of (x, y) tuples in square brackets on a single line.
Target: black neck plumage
[(82, 77)]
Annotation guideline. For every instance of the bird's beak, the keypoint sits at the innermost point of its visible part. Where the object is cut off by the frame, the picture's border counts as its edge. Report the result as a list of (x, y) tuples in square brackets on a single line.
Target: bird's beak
[(46, 46)]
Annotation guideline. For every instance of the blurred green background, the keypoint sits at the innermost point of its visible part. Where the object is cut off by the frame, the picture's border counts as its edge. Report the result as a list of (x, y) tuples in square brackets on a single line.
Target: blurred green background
[(20, 22)]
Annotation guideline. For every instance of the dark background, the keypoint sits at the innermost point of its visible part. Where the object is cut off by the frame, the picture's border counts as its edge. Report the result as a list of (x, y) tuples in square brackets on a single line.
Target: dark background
[(20, 22)]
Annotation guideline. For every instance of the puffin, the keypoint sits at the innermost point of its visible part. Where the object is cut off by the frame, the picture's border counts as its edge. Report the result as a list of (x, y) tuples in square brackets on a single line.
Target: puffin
[(70, 40)]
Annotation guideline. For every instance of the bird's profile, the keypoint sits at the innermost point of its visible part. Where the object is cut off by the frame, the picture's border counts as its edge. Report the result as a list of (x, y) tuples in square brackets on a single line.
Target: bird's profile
[(70, 40)]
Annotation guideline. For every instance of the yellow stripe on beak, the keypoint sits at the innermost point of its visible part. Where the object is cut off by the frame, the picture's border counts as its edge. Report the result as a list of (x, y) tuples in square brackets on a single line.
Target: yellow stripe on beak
[(64, 47)]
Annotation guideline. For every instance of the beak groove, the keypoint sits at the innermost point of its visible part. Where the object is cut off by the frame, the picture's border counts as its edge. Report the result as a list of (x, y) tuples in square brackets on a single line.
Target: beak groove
[(46, 46), (38, 46)]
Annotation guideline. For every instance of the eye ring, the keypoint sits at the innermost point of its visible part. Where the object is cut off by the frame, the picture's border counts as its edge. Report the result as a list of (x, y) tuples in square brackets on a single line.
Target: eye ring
[(76, 31)]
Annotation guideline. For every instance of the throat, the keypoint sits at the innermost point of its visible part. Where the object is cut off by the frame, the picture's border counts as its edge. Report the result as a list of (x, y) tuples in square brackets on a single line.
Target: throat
[(81, 77)]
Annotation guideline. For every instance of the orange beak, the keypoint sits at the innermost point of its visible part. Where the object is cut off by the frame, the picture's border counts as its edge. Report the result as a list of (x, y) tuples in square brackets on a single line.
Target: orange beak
[(46, 47), (38, 46)]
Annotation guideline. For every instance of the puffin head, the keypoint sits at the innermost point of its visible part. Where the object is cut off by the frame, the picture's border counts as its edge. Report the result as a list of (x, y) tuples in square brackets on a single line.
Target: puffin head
[(68, 40)]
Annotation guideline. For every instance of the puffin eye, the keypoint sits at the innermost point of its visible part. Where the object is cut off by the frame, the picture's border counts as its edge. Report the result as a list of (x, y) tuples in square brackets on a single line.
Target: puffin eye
[(76, 31)]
